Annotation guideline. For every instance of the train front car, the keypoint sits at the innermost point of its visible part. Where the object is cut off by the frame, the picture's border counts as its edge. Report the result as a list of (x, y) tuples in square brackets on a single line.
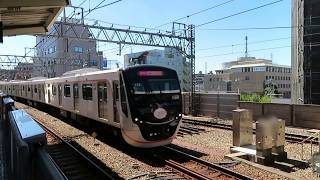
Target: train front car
[(155, 107)]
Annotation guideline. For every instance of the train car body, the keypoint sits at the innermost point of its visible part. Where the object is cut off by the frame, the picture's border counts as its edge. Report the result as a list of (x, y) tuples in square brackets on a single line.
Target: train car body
[(144, 102)]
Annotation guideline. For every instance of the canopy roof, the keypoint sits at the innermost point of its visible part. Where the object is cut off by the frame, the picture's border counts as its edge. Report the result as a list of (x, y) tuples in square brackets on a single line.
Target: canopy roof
[(20, 17)]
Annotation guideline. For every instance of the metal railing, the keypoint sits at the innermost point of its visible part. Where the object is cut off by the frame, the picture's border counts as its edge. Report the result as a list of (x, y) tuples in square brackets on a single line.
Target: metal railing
[(312, 139), (26, 158)]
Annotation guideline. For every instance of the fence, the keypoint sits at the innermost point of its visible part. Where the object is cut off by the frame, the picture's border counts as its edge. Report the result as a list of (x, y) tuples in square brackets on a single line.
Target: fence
[(221, 105), (24, 142), (212, 104)]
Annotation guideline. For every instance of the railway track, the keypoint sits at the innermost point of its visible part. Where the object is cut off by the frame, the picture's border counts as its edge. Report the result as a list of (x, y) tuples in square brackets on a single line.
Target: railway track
[(191, 167), (72, 164), (294, 138), (189, 130)]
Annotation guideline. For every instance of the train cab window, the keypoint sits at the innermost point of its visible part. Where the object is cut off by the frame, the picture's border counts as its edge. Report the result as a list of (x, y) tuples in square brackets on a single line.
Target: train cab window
[(75, 90), (123, 97), (54, 90), (67, 91), (87, 91)]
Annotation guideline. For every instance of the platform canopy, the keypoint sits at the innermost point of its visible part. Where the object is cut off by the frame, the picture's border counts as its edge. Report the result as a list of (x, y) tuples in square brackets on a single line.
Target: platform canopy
[(21, 17)]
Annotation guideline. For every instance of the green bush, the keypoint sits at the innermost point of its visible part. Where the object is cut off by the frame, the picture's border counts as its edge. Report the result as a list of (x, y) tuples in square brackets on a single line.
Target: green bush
[(255, 98)]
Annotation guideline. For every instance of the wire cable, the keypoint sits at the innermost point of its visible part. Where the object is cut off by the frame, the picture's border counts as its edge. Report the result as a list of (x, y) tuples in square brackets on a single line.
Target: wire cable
[(193, 14), (280, 47), (238, 13), (239, 44)]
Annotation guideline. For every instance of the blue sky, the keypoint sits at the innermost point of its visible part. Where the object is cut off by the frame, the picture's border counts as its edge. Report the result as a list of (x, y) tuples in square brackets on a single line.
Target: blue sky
[(151, 13)]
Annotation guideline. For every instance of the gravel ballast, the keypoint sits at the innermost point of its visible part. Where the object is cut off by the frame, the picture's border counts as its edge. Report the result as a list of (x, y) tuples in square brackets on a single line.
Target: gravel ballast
[(122, 164), (219, 141)]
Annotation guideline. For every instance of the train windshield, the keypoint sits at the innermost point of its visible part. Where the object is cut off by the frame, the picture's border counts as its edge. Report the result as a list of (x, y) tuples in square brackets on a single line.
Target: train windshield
[(154, 86)]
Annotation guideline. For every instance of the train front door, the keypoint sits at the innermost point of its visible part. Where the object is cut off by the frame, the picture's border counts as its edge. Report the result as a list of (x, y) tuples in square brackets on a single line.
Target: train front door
[(115, 87), (60, 94), (102, 99), (76, 97)]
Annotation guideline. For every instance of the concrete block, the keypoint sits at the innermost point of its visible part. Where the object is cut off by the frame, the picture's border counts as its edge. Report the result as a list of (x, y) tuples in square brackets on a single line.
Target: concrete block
[(264, 135), (242, 127)]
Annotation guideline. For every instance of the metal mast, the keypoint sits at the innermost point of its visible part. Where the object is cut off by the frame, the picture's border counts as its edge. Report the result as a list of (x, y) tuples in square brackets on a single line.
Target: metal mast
[(246, 53)]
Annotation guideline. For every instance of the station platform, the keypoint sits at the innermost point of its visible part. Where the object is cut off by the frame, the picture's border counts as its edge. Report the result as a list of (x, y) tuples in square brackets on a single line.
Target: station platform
[(2, 157)]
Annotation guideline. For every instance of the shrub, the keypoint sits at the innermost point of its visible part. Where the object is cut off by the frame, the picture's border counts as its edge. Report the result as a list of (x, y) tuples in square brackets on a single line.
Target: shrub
[(255, 98)]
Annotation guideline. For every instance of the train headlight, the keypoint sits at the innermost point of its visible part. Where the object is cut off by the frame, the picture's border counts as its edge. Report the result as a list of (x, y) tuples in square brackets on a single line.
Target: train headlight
[(180, 115), (136, 119)]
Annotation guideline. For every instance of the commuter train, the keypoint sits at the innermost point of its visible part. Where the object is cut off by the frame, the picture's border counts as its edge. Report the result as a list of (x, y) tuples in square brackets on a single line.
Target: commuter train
[(144, 102)]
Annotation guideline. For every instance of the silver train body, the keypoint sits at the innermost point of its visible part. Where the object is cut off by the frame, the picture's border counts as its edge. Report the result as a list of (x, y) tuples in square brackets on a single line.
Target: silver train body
[(144, 102)]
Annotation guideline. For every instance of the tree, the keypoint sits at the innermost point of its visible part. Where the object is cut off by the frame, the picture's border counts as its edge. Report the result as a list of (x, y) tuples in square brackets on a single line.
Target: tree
[(270, 87)]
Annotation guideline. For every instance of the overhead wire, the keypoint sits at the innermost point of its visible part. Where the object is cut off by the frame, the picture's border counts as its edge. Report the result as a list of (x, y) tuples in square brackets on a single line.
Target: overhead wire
[(98, 6), (198, 12), (239, 44), (259, 28), (224, 54), (241, 12)]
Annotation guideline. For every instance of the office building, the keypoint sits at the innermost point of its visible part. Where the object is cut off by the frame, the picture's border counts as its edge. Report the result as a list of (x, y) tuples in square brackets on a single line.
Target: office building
[(250, 75), (305, 52)]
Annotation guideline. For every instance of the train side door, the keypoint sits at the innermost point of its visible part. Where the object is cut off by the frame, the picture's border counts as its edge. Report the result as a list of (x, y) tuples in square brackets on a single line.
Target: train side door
[(39, 89), (60, 94), (49, 95), (102, 99), (115, 87), (76, 97)]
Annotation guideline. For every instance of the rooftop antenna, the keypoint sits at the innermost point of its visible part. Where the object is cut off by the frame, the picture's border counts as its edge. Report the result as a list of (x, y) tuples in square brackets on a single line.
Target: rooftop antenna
[(205, 67), (246, 53), (271, 56)]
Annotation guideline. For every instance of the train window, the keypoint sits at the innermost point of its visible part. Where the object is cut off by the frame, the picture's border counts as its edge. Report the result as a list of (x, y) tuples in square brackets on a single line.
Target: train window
[(54, 90), (75, 90), (123, 98), (102, 91), (67, 91), (87, 91)]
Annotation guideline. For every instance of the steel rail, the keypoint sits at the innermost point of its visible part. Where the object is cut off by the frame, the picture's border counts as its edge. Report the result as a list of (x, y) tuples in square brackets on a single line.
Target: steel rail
[(295, 138), (96, 167), (219, 169)]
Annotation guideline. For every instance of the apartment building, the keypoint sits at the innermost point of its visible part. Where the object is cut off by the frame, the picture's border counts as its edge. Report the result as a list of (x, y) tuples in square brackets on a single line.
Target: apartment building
[(65, 54)]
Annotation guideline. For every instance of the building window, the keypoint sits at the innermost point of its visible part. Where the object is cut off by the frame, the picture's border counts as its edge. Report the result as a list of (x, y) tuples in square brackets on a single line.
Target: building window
[(87, 91), (247, 78), (78, 49), (67, 90), (93, 62), (35, 90)]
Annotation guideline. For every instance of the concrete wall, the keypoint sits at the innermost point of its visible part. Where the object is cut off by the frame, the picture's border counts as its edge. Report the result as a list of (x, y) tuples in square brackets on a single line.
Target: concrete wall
[(221, 105)]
